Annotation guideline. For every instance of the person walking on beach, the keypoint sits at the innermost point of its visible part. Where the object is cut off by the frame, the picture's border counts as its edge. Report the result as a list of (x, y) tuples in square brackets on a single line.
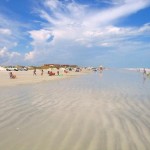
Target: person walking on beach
[(34, 72), (42, 72)]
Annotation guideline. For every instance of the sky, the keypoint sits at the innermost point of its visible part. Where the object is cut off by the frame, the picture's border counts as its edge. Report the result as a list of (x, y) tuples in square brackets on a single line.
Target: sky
[(112, 33)]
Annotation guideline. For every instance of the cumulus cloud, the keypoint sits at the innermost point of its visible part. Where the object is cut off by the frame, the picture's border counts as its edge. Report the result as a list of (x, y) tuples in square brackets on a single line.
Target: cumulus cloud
[(40, 41), (30, 55), (68, 25), (5, 53), (80, 21), (77, 24), (9, 57), (40, 35)]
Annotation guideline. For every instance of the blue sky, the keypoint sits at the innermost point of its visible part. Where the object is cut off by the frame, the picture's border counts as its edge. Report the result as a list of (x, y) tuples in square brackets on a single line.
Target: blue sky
[(114, 33)]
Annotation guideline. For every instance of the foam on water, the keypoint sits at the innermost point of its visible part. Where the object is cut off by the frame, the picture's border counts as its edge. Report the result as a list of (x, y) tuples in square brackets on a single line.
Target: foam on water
[(108, 111)]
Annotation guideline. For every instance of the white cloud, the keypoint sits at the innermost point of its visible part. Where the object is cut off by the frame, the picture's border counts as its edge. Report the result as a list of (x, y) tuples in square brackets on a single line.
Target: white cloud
[(40, 41), (40, 35), (68, 24), (76, 24), (5, 53), (11, 26), (76, 15), (113, 2), (30, 55), (110, 15), (5, 31), (145, 28), (51, 3), (105, 44), (11, 34), (8, 57), (80, 21)]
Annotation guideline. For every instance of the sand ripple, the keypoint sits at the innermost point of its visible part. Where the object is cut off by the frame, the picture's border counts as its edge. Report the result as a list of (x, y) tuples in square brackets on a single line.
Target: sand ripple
[(91, 112)]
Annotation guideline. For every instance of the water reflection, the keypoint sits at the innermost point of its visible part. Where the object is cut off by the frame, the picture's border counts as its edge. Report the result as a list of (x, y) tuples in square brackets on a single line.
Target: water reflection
[(144, 78), (53, 115)]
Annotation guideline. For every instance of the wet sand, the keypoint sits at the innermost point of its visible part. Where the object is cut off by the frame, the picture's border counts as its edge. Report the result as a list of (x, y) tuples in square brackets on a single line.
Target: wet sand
[(108, 111)]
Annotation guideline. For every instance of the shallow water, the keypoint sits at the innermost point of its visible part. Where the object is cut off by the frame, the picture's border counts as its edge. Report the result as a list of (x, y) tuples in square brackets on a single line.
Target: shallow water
[(108, 111)]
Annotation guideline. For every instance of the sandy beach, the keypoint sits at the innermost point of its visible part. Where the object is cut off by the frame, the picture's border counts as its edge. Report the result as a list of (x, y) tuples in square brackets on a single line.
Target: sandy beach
[(108, 111), (27, 77)]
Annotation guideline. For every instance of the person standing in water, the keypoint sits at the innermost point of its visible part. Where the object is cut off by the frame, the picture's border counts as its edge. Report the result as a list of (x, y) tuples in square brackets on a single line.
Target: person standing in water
[(101, 69)]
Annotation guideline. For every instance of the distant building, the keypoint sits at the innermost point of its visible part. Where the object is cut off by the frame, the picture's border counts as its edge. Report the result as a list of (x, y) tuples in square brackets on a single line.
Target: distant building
[(60, 65), (52, 65)]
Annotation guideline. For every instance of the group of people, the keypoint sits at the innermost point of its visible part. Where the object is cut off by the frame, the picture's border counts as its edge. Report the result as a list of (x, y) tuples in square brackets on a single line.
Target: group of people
[(50, 73)]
